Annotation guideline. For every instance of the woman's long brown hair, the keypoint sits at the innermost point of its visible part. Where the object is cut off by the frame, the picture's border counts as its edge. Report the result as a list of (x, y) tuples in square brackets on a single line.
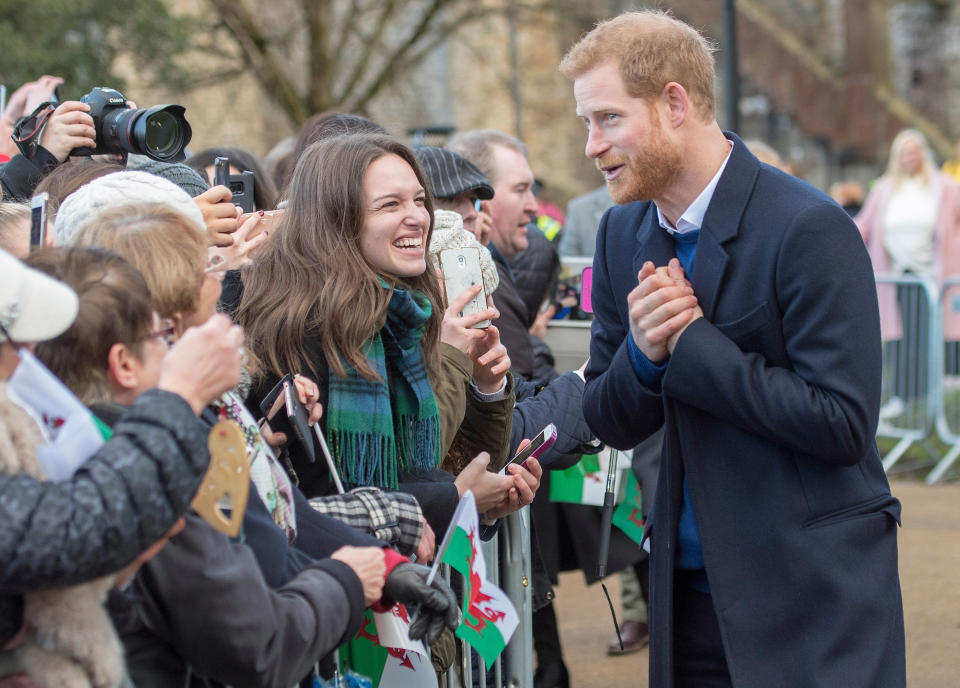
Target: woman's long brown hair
[(310, 278)]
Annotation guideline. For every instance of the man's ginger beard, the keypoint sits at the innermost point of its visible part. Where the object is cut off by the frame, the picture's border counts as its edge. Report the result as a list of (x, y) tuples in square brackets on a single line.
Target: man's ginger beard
[(649, 172)]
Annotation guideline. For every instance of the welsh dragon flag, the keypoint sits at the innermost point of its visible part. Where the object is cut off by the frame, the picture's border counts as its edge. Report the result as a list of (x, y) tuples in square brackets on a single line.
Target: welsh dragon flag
[(383, 652), (489, 618), (586, 481)]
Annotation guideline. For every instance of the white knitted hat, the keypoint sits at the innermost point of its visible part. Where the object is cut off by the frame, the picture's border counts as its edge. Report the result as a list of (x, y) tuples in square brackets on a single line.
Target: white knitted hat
[(448, 232), (119, 189)]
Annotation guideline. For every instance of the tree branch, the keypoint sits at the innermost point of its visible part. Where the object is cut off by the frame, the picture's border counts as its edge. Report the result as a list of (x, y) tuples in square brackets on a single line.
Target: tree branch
[(420, 43), (371, 45), (255, 48), (322, 64), (349, 25), (213, 78), (388, 68)]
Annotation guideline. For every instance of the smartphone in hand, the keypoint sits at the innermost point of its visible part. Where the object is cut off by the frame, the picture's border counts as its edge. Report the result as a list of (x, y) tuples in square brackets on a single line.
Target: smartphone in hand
[(240, 185), (537, 447), (221, 172), (38, 219), (285, 413), (461, 270)]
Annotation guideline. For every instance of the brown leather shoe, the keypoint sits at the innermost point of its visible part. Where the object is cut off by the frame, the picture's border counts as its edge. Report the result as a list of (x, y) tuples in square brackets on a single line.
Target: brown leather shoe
[(635, 635)]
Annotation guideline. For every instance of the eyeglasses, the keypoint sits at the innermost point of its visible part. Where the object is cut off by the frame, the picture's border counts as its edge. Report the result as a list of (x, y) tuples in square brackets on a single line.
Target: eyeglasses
[(165, 333)]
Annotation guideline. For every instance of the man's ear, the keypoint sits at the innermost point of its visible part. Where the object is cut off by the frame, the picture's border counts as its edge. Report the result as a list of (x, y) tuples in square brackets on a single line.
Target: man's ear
[(121, 371), (676, 102)]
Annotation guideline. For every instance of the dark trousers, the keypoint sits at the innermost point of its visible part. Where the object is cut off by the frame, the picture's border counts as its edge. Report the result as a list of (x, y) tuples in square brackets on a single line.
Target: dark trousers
[(642, 569), (699, 660)]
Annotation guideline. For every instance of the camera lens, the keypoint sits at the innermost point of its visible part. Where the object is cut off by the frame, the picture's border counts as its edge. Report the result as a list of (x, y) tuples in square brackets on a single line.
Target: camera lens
[(161, 133)]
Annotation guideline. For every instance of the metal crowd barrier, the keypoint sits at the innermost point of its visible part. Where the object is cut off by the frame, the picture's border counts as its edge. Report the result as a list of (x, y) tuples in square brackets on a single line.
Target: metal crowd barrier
[(507, 556), (920, 384), (948, 416), (909, 389)]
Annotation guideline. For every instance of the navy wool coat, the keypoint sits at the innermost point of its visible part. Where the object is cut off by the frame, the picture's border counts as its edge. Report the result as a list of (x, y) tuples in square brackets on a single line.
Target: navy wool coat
[(769, 406)]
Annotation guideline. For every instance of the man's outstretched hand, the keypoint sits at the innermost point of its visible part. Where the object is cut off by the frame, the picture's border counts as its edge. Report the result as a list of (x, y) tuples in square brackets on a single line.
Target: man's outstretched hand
[(434, 606)]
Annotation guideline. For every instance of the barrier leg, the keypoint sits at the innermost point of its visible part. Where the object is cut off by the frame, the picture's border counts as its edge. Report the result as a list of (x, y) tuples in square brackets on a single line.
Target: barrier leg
[(516, 583), (941, 468), (894, 454)]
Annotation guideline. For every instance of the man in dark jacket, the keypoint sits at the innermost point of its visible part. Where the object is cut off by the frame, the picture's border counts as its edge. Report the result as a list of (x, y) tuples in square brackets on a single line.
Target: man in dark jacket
[(503, 159), (735, 306)]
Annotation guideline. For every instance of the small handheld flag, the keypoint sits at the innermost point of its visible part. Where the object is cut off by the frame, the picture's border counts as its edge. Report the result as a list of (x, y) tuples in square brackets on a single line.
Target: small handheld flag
[(489, 618)]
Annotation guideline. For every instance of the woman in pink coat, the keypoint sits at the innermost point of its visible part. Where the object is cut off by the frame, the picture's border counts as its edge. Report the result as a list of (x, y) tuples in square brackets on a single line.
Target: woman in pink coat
[(911, 225)]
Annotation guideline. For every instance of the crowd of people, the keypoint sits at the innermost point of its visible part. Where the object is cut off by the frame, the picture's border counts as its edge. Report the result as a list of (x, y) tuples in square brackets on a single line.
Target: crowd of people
[(332, 282), (736, 357), (337, 289)]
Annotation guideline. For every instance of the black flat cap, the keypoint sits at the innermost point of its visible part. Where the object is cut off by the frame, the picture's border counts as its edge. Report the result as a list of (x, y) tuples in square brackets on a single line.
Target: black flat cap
[(450, 174)]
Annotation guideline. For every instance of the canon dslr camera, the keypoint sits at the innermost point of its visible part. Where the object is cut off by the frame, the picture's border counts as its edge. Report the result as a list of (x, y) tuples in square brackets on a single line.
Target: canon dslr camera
[(161, 132)]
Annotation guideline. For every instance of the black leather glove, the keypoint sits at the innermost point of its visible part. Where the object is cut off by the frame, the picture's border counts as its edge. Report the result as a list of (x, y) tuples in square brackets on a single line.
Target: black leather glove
[(432, 606)]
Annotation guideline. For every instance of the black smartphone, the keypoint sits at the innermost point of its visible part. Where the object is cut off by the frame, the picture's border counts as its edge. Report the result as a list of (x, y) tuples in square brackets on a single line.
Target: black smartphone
[(241, 186), (38, 219), (284, 413), (221, 172)]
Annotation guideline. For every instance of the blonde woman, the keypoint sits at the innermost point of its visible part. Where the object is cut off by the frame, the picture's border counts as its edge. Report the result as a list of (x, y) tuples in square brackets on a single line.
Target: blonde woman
[(910, 223)]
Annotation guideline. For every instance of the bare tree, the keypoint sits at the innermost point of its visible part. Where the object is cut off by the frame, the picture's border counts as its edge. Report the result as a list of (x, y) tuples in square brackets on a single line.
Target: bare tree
[(350, 49)]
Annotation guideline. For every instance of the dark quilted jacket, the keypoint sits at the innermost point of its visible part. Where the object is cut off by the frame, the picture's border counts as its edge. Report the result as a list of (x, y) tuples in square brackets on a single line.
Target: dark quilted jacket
[(117, 504)]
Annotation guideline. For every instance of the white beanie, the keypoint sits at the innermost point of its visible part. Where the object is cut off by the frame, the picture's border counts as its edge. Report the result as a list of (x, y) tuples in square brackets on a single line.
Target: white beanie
[(119, 189), (448, 232)]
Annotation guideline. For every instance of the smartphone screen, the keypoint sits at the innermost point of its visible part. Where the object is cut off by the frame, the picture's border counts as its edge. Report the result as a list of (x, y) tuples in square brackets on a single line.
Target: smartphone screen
[(38, 219)]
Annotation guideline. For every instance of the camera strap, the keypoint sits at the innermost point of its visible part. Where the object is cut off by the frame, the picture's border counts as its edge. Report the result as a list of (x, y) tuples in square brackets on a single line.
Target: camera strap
[(27, 130)]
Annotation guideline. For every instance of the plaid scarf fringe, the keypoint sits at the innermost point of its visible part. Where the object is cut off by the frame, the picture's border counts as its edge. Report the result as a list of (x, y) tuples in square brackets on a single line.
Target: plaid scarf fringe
[(378, 428)]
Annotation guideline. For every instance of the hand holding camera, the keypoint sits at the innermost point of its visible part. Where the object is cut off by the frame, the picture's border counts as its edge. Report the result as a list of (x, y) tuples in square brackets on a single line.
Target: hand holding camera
[(161, 132), (69, 127)]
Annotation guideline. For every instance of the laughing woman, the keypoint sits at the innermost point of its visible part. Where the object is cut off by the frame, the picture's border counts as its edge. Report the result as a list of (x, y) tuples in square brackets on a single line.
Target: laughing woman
[(342, 293)]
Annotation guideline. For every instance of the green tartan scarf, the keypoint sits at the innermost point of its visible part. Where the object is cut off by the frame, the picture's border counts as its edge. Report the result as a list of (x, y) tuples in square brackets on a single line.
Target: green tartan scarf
[(378, 428)]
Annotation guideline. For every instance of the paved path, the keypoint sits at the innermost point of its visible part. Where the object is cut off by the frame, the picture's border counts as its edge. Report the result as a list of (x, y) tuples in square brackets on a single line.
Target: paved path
[(929, 574)]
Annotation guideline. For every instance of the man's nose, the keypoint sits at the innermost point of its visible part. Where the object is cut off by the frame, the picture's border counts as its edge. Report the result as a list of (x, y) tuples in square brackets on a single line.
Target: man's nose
[(597, 145), (530, 202)]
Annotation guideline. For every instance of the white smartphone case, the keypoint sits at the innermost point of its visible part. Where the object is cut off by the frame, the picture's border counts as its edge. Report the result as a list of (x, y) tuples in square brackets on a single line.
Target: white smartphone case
[(461, 270)]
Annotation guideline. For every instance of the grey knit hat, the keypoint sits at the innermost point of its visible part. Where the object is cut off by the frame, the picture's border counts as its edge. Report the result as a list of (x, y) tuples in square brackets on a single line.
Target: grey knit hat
[(185, 177), (119, 189), (448, 232)]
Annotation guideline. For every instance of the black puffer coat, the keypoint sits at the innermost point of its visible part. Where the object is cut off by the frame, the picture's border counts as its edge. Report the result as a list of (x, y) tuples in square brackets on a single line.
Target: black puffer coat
[(116, 505)]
